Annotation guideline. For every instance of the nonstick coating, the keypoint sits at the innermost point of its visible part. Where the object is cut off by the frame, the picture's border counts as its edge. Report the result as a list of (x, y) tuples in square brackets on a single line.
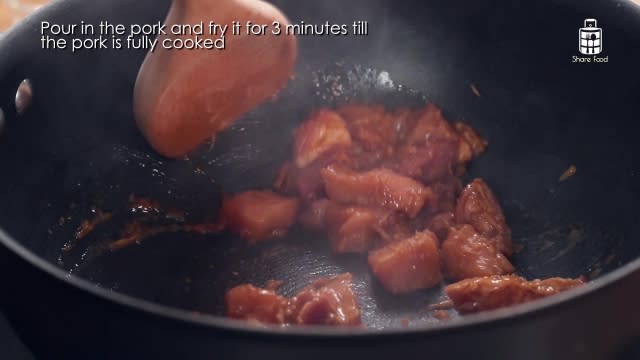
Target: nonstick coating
[(78, 147)]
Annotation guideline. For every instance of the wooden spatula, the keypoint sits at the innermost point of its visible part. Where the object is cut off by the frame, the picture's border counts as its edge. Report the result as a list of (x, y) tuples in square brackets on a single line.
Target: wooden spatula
[(183, 97)]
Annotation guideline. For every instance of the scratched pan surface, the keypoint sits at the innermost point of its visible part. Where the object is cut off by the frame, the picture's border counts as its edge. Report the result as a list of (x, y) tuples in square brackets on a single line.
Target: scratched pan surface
[(85, 153)]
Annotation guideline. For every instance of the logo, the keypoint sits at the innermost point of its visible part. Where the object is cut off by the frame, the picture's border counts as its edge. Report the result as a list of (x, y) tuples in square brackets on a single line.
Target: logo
[(590, 37), (590, 43)]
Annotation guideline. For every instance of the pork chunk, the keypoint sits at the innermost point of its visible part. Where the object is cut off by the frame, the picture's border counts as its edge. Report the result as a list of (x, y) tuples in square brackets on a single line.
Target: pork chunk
[(467, 254), (478, 207), (324, 130), (471, 143), (307, 182), (259, 215), (408, 265), (431, 126), (493, 292), (352, 229), (247, 302), (379, 187), (429, 162), (370, 126), (326, 302)]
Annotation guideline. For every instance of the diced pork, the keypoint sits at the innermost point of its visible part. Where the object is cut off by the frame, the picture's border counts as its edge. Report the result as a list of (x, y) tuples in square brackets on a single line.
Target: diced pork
[(493, 292), (376, 133), (259, 215), (355, 229), (352, 229), (326, 302), (478, 207), (431, 126), (247, 302), (378, 187), (429, 162), (306, 182), (324, 130), (408, 265), (371, 127), (471, 143), (467, 254)]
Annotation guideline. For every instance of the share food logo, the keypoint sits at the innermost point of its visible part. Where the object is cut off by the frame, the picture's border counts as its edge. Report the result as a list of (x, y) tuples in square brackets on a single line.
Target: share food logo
[(590, 43), (590, 38)]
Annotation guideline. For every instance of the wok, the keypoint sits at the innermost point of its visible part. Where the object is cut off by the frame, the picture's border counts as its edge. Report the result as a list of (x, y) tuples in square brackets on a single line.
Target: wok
[(77, 148)]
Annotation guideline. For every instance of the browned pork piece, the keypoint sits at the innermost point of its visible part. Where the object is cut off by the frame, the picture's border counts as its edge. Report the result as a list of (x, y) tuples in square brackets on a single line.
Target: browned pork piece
[(440, 215), (434, 149), (247, 302), (352, 229), (379, 187), (306, 182), (370, 127), (259, 215), (493, 292), (467, 254), (320, 141), (325, 302), (385, 183), (478, 207), (323, 131), (471, 143), (429, 163), (408, 265), (431, 126)]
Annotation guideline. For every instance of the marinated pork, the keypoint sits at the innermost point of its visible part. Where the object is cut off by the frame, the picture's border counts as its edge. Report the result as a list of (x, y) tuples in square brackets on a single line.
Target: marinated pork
[(431, 126), (259, 215), (387, 184), (306, 182), (429, 163), (247, 302), (471, 143), (478, 207), (324, 131), (467, 254), (493, 292), (324, 302), (371, 127), (379, 187), (408, 265), (352, 229)]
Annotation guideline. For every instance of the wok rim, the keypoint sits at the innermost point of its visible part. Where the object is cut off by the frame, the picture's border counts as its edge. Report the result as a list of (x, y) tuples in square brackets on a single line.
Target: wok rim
[(211, 321)]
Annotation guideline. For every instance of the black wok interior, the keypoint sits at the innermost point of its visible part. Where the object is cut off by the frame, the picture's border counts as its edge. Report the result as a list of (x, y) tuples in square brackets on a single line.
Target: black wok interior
[(77, 148)]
